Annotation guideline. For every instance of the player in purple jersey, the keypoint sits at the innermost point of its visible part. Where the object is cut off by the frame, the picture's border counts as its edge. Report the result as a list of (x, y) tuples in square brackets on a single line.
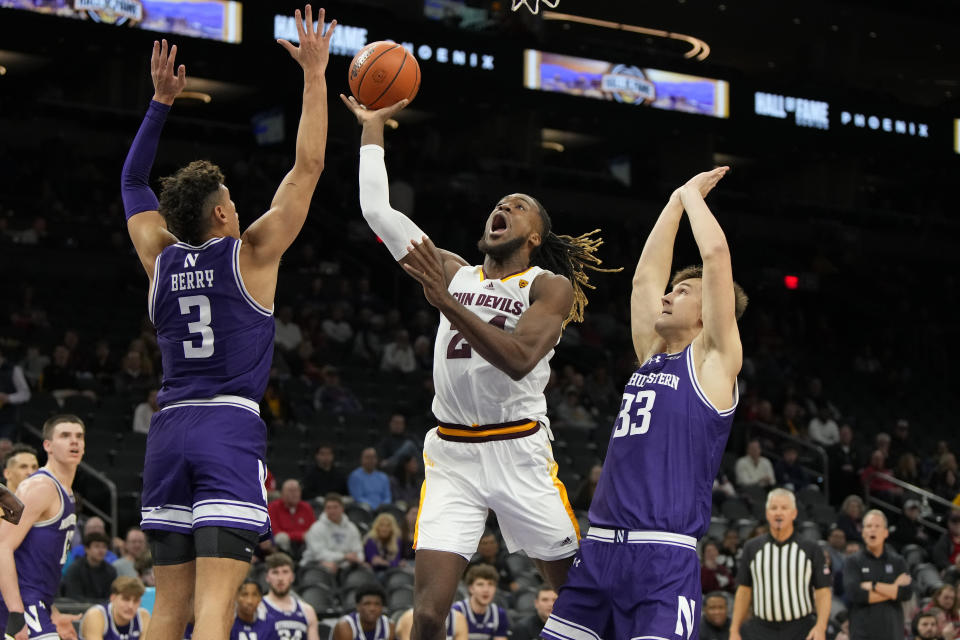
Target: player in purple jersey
[(368, 621), (211, 300), (251, 621), (32, 553), (122, 618), (637, 574), (288, 617)]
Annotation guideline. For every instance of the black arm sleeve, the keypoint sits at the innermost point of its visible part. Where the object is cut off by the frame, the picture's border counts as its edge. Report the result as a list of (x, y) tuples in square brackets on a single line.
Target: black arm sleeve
[(744, 575), (851, 581)]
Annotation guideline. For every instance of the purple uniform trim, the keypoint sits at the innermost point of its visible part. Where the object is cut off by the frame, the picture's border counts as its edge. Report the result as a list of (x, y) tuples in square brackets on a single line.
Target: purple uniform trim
[(135, 176)]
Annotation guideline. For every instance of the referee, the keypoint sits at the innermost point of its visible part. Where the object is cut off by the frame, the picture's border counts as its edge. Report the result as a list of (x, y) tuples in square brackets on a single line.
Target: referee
[(787, 579)]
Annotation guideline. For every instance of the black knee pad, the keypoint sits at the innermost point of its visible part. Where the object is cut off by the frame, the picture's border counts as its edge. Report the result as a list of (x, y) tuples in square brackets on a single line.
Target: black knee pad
[(169, 547), (225, 542)]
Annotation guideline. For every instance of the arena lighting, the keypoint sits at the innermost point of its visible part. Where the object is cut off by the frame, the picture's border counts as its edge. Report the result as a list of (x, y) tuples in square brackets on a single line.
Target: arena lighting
[(195, 95), (791, 282), (553, 146), (698, 48)]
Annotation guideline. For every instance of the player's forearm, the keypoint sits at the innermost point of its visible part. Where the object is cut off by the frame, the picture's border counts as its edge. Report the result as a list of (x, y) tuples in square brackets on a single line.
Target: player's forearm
[(491, 343), (9, 587), (707, 233), (135, 175), (657, 256), (312, 131), (372, 132)]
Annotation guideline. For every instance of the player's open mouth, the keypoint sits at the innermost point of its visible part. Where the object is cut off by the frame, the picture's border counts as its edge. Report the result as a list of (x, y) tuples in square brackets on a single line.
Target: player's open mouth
[(498, 225)]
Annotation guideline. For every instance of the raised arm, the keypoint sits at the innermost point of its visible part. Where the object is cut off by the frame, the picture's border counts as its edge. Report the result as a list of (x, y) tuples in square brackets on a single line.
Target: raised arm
[(146, 226), (272, 233), (536, 333), (720, 334), (393, 227), (651, 278)]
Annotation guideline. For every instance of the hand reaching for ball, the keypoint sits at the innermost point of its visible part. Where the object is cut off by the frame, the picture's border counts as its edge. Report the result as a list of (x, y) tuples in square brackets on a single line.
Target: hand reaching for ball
[(365, 115)]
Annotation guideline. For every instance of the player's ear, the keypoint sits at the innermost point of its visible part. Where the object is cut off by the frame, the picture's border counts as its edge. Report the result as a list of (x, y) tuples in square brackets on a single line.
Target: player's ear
[(535, 238)]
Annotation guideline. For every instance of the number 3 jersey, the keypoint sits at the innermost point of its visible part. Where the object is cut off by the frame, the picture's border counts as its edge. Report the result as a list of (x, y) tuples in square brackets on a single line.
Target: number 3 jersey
[(214, 338), (471, 392), (664, 452)]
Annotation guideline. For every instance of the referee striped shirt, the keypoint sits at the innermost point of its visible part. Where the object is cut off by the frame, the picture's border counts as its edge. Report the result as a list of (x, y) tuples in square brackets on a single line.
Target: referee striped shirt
[(783, 576)]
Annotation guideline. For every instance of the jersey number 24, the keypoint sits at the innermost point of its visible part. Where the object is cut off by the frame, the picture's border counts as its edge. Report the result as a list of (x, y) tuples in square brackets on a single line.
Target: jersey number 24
[(634, 417)]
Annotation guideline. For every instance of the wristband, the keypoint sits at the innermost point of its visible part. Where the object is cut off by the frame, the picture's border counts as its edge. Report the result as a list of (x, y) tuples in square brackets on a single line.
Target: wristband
[(15, 623)]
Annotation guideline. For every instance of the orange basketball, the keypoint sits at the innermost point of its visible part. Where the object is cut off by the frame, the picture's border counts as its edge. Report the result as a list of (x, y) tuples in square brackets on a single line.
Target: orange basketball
[(382, 74)]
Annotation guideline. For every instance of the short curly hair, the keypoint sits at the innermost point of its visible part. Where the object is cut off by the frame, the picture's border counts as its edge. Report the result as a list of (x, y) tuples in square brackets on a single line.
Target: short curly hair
[(185, 198)]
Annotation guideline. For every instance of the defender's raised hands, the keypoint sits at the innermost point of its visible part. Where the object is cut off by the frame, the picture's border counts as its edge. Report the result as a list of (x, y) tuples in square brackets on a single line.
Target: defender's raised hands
[(314, 50), (166, 84)]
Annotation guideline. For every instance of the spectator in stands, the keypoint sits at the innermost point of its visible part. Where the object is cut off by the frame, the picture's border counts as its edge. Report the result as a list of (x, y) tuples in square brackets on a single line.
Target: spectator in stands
[(59, 377), (600, 391), (713, 575), (144, 412), (290, 517), (397, 443), (845, 462), (325, 476), (945, 551), (730, 551), (715, 624), (331, 396), (398, 354), (408, 528), (381, 545), (92, 525), (945, 481), (909, 530), (288, 334), (924, 626), (490, 554), (366, 484), (338, 331), (18, 463), (907, 469), (33, 365), (815, 400), (423, 350), (91, 577), (754, 470), (584, 495), (571, 413), (945, 599), (836, 547), (333, 541), (529, 627), (406, 481), (134, 547), (132, 381), (881, 442), (103, 367), (823, 429), (850, 520), (14, 391), (874, 483), (790, 474), (486, 620), (144, 567), (369, 340), (900, 441)]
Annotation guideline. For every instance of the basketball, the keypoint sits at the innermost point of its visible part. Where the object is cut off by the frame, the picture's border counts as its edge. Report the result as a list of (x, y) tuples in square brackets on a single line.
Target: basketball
[(382, 74)]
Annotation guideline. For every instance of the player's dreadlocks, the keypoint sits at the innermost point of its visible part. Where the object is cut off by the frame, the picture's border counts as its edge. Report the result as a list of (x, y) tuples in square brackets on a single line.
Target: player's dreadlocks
[(570, 257)]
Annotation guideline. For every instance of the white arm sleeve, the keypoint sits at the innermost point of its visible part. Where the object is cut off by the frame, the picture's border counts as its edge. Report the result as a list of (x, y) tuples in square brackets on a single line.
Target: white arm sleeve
[(394, 228)]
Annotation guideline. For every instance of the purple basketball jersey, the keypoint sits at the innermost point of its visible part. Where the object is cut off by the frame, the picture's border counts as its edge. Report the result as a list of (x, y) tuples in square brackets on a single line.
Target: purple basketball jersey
[(664, 452), (40, 557), (290, 625), (214, 338)]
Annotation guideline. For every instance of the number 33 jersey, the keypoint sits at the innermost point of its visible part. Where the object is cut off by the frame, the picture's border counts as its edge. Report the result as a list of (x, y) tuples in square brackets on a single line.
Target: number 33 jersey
[(470, 391), (214, 338), (664, 452)]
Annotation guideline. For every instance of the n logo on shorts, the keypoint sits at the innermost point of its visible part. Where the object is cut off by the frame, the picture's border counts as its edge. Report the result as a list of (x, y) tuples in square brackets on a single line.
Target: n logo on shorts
[(685, 615)]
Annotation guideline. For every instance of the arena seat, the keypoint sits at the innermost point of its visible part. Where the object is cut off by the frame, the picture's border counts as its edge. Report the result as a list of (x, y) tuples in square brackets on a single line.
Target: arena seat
[(913, 554), (400, 598)]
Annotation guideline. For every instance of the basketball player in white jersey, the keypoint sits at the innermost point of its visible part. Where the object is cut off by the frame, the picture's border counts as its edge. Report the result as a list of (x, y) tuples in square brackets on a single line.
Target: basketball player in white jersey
[(499, 324)]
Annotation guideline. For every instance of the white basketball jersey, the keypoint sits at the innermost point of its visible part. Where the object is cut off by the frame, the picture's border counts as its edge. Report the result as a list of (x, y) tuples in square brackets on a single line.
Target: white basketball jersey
[(469, 390)]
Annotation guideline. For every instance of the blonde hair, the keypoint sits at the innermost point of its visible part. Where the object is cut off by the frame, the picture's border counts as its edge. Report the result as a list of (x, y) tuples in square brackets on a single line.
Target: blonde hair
[(391, 547)]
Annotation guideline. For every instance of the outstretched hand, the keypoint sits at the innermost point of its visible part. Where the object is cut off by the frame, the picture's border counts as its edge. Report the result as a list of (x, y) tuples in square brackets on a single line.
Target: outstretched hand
[(314, 50), (706, 181), (166, 85), (425, 263), (365, 115)]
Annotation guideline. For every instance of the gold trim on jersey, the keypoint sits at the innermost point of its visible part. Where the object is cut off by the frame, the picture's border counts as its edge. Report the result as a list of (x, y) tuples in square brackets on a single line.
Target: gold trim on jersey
[(483, 274), (487, 432), (554, 468)]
